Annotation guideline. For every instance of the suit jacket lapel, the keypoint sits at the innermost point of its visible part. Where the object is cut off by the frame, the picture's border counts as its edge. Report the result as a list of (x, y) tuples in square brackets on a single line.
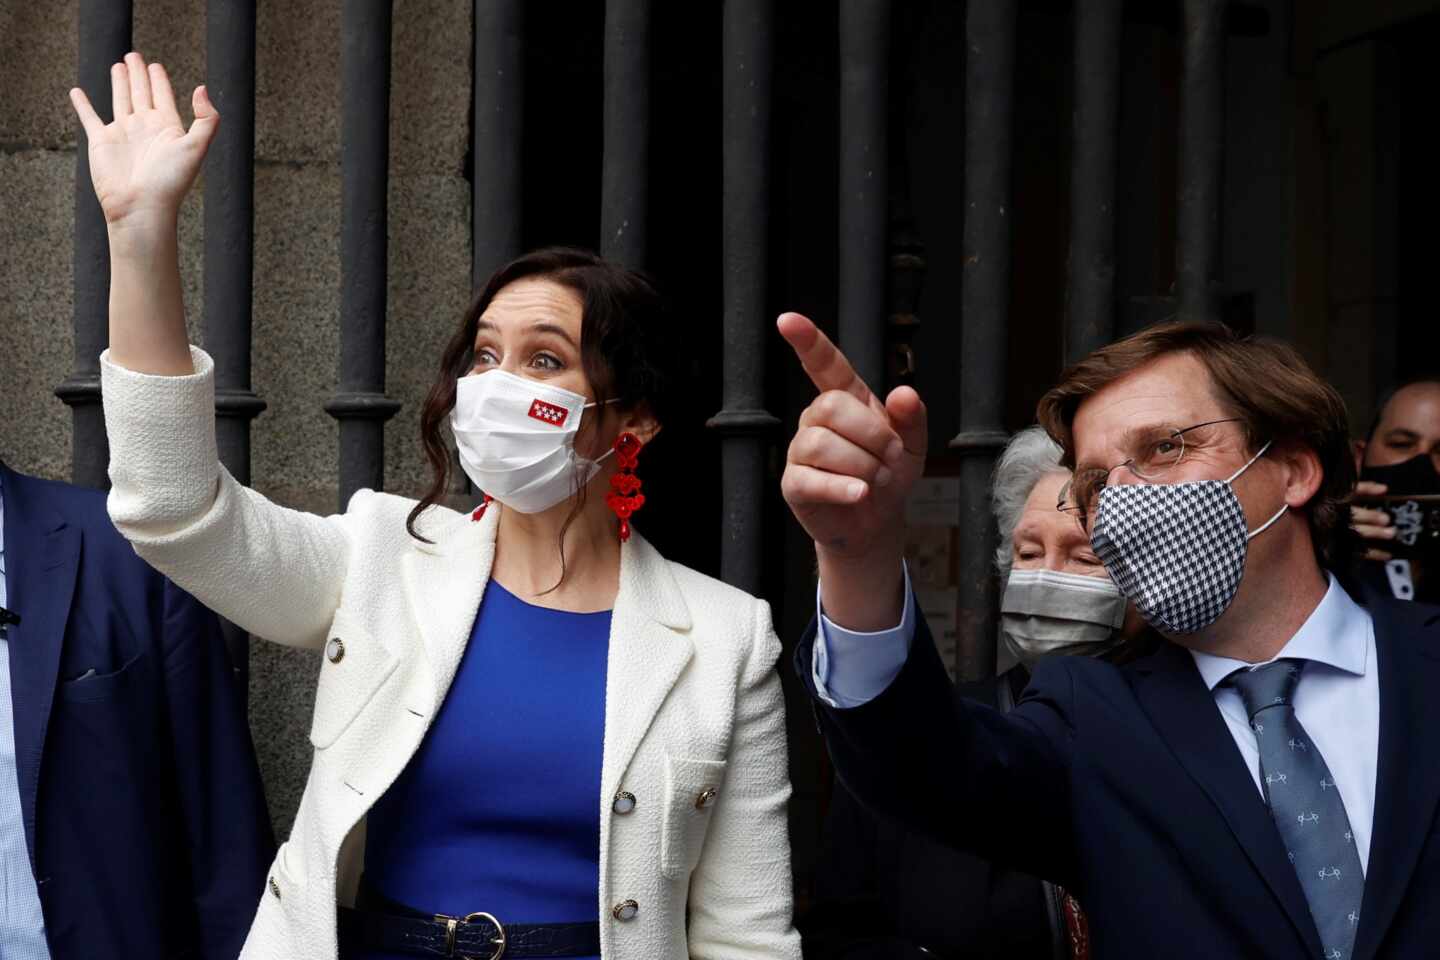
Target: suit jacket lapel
[(42, 558), (648, 651), (1406, 789), (446, 581), (1184, 711)]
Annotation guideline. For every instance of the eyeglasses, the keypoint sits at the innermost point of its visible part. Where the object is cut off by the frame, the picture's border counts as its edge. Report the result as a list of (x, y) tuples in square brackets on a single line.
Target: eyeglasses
[(1155, 453)]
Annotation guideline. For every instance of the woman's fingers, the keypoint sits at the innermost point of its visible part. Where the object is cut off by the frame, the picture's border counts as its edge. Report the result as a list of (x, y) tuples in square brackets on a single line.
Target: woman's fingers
[(1371, 532), (207, 118), (1380, 555), (139, 82), (161, 92), (89, 119), (119, 91), (1369, 488)]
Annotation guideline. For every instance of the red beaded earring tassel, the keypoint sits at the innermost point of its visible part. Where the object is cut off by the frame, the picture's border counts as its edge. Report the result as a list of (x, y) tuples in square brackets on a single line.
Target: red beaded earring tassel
[(625, 497)]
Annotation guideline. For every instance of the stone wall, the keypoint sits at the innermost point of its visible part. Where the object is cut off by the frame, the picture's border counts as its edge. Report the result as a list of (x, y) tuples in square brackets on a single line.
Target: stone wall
[(297, 260)]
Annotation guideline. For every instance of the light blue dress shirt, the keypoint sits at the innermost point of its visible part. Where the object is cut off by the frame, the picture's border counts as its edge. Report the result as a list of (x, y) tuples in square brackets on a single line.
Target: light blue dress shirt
[(1337, 701), (22, 925), (853, 668)]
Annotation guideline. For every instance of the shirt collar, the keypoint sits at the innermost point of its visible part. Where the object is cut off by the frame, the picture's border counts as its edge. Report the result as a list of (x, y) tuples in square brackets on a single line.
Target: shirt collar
[(1336, 634)]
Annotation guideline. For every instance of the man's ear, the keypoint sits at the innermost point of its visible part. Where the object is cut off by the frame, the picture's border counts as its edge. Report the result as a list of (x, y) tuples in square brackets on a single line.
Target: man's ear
[(1360, 446), (1303, 474)]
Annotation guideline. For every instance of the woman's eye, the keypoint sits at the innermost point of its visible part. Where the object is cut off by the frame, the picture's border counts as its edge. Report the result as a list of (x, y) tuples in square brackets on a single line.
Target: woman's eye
[(547, 361), (1089, 561), (484, 358)]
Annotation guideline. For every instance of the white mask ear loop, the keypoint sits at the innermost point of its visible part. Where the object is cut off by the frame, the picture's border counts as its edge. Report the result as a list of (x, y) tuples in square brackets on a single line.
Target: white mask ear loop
[(1283, 507), (1266, 525), (1248, 463)]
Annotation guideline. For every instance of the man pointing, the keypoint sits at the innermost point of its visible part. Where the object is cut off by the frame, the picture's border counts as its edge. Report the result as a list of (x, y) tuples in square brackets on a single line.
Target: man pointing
[(1260, 787)]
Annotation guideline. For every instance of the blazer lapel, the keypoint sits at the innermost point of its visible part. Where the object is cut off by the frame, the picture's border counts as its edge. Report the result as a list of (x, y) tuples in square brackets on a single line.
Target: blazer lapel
[(1406, 789), (445, 581), (42, 558), (648, 651), (1184, 711)]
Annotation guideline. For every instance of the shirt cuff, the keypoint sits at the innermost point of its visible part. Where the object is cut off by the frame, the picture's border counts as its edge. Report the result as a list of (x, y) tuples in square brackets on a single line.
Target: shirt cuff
[(852, 668)]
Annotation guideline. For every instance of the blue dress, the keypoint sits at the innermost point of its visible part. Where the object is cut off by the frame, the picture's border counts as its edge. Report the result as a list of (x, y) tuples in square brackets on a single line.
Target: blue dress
[(499, 809)]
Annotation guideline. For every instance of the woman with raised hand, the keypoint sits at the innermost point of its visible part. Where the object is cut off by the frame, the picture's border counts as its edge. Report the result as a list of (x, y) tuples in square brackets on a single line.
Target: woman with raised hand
[(534, 736)]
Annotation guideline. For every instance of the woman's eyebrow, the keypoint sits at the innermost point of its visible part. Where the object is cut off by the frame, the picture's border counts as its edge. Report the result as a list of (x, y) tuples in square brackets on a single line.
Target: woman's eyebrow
[(542, 326), (559, 331)]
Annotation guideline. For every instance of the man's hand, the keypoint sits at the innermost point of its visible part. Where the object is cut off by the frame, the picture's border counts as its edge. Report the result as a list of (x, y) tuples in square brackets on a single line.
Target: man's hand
[(1373, 526), (849, 470)]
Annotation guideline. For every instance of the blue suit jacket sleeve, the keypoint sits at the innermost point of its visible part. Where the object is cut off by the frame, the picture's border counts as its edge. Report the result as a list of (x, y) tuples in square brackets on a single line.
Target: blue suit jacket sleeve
[(992, 784), (226, 824)]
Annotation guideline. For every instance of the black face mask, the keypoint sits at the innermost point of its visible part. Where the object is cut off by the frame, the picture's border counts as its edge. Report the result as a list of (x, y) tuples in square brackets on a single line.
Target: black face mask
[(1414, 477)]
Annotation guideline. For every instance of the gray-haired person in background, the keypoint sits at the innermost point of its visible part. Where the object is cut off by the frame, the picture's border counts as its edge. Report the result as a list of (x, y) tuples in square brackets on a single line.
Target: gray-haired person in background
[(884, 893)]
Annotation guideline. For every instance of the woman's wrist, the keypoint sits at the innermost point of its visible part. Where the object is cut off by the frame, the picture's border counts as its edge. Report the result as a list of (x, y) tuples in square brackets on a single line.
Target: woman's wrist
[(143, 235)]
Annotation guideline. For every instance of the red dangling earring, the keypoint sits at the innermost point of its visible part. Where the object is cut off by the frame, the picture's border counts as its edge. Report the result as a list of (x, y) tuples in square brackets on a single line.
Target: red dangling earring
[(480, 510), (625, 497)]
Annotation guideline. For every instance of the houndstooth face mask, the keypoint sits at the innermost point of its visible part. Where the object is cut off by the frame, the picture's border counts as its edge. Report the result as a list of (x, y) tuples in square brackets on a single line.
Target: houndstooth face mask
[(1176, 550)]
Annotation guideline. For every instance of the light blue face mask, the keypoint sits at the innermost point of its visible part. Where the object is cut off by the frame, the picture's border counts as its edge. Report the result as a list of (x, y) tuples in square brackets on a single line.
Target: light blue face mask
[(1046, 613), (1177, 550)]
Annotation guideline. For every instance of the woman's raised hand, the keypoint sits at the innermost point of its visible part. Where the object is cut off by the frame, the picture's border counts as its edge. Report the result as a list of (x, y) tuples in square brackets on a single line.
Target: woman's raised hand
[(144, 162)]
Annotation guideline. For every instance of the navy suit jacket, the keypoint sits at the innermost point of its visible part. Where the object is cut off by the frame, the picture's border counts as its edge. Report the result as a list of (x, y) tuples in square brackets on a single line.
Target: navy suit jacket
[(1123, 784), (142, 804)]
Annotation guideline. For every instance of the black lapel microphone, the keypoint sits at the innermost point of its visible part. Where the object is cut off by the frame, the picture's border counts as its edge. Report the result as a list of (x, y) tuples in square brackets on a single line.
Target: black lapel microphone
[(8, 617)]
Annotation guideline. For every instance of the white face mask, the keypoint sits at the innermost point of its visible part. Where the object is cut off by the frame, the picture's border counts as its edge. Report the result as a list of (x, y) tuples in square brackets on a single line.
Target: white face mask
[(516, 439), (1045, 613)]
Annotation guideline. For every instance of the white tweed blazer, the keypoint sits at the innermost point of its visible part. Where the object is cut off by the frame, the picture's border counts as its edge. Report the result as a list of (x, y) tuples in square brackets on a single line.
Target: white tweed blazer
[(692, 700)]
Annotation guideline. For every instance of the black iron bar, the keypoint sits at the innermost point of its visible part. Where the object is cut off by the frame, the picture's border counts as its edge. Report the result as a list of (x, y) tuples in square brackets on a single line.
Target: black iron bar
[(229, 246), (985, 313), (497, 134), (230, 226), (864, 183), (1202, 91), (1090, 294), (743, 423), (625, 166), (360, 403), (105, 30)]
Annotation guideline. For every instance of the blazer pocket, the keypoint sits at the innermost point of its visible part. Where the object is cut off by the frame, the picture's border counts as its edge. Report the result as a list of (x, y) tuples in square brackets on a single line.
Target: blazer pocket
[(354, 667), (102, 686), (692, 792)]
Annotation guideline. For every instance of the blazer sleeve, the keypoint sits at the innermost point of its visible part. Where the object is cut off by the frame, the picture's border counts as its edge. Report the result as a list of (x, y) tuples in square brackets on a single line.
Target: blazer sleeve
[(741, 893), (225, 825), (992, 784), (275, 572)]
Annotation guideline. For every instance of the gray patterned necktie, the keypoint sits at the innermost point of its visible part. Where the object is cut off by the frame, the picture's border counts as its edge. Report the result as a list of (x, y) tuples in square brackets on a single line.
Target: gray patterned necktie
[(1305, 804)]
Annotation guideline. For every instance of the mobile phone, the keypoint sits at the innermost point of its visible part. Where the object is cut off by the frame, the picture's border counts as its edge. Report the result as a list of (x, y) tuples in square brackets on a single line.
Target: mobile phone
[(1417, 523)]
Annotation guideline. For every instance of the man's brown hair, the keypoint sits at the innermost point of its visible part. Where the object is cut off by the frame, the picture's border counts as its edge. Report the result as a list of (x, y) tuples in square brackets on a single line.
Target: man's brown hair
[(1263, 382)]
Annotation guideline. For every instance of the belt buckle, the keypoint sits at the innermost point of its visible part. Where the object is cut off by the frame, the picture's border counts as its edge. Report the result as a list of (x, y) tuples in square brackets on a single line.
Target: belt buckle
[(452, 926)]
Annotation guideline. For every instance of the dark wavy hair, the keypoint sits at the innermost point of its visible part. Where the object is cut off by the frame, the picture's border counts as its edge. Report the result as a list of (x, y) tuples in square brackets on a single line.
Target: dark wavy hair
[(625, 349)]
